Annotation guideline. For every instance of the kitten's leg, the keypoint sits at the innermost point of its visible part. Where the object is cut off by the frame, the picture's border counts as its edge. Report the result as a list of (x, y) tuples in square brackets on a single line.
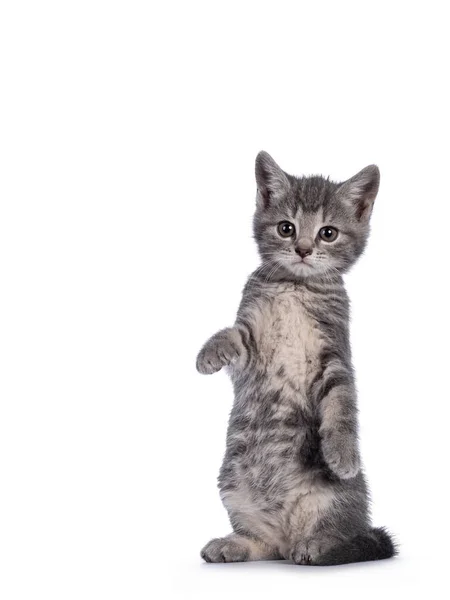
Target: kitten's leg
[(237, 548), (224, 348), (338, 431)]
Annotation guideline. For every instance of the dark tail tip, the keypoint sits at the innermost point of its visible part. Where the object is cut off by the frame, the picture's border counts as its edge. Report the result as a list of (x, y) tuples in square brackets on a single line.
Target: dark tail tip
[(376, 544), (385, 541)]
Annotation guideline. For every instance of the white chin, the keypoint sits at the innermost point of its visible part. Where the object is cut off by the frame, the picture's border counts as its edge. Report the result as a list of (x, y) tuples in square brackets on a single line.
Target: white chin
[(302, 269)]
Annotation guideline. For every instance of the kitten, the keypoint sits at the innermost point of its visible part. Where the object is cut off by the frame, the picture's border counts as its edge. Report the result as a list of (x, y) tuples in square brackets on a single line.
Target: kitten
[(291, 478)]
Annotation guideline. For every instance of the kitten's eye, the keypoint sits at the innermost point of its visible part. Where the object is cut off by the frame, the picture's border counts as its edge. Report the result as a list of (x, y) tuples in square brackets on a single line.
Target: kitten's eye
[(286, 229), (328, 234)]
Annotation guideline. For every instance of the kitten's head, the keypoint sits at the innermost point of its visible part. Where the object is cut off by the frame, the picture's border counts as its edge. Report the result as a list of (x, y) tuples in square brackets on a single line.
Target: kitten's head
[(310, 226)]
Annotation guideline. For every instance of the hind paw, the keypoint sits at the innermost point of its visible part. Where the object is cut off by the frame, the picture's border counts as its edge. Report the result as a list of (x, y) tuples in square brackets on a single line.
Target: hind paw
[(301, 558), (222, 550), (305, 553)]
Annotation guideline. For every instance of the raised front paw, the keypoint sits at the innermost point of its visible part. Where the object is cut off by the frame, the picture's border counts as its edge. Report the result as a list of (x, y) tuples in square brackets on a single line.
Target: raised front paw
[(224, 550), (221, 350), (341, 455)]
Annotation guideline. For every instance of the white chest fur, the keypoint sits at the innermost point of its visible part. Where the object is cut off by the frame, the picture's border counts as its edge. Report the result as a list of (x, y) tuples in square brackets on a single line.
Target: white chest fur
[(289, 338)]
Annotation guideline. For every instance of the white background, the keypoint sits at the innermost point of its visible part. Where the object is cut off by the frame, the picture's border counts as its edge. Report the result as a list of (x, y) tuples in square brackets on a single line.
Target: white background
[(128, 137)]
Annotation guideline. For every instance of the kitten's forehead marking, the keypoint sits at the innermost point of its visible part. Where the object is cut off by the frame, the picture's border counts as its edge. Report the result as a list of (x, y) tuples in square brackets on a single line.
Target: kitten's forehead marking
[(297, 214), (310, 195), (309, 223)]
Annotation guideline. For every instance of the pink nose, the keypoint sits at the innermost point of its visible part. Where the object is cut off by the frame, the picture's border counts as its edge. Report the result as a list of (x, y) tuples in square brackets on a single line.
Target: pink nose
[(303, 251)]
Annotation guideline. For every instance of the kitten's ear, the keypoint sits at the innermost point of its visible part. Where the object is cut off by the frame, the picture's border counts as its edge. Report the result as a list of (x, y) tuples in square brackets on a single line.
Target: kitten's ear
[(272, 181), (360, 192)]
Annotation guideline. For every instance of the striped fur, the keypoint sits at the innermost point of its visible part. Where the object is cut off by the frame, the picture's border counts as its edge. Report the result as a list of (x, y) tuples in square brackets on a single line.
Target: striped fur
[(291, 478)]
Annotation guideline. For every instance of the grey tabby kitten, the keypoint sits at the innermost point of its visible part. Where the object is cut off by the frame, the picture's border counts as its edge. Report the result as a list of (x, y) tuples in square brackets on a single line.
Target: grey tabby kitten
[(291, 478)]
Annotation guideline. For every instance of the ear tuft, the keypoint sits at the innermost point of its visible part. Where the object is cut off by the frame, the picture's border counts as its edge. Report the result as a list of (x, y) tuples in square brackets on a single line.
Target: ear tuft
[(271, 180), (360, 191)]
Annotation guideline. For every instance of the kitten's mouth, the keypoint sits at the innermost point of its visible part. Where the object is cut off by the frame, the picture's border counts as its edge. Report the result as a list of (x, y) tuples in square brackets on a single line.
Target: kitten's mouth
[(302, 261), (300, 266)]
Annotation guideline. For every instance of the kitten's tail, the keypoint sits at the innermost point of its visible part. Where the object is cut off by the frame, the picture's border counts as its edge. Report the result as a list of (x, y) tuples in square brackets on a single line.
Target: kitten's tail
[(376, 544)]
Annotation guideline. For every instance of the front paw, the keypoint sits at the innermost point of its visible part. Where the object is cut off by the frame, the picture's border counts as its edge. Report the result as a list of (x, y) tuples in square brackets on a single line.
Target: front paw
[(218, 352), (341, 455)]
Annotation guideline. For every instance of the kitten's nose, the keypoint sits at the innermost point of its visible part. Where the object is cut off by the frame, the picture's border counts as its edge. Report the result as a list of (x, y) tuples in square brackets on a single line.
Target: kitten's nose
[(304, 248)]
